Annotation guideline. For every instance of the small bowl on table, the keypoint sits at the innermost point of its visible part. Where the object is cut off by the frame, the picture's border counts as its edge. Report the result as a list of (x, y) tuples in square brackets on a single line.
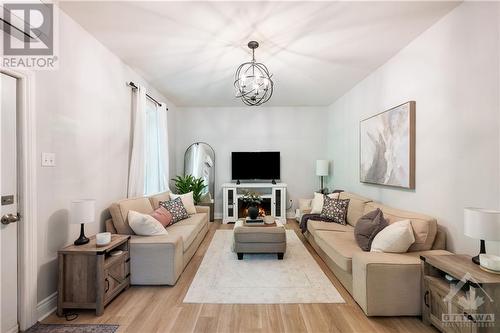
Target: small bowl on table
[(103, 238)]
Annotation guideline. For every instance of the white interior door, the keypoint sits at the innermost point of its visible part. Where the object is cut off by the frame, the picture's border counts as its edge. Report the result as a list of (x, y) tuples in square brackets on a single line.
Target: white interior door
[(8, 207)]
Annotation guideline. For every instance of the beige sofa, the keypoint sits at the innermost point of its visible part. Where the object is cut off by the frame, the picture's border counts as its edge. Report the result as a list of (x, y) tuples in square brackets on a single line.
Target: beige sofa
[(383, 284), (158, 260)]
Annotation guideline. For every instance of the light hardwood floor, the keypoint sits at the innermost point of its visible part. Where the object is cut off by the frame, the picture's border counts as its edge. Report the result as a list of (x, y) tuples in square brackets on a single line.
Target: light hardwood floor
[(160, 309)]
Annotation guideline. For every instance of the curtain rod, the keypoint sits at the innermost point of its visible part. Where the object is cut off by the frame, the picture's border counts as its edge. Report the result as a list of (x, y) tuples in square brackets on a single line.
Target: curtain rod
[(134, 86)]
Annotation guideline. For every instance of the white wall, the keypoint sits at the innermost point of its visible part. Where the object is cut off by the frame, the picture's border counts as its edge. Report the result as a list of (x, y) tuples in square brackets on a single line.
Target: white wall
[(452, 72), (83, 115), (299, 133)]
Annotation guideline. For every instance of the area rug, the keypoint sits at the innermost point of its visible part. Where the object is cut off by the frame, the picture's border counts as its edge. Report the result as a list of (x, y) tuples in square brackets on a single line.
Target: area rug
[(260, 278), (72, 328)]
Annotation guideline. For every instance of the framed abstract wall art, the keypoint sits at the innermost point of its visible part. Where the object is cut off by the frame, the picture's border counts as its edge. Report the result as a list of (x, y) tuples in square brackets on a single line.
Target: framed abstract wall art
[(387, 147)]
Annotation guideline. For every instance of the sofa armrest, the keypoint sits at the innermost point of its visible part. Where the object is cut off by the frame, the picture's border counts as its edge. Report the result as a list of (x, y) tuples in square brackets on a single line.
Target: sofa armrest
[(304, 208), (388, 284), (306, 211), (203, 209), (305, 204), (156, 260)]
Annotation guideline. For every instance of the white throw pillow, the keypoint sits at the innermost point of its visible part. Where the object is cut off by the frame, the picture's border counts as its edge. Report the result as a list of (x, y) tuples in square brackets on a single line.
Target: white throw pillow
[(144, 224), (317, 202), (395, 238), (187, 201)]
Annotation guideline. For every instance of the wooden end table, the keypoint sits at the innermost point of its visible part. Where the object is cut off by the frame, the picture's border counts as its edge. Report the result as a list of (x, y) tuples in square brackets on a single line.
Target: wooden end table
[(471, 307), (90, 277)]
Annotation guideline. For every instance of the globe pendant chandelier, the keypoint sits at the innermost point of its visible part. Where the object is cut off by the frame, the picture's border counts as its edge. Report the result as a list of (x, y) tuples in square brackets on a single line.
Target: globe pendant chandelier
[(252, 81)]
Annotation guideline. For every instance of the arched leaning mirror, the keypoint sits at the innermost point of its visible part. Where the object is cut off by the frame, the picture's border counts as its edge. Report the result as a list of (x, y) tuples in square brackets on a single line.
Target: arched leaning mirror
[(199, 161)]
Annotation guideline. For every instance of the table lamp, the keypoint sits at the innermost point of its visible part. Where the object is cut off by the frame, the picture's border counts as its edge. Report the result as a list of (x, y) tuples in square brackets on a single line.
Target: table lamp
[(82, 212), (322, 167), (483, 224)]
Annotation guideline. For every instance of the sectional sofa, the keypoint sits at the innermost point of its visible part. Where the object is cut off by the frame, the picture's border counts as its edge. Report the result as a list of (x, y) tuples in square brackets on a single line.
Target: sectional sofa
[(383, 284), (158, 260)]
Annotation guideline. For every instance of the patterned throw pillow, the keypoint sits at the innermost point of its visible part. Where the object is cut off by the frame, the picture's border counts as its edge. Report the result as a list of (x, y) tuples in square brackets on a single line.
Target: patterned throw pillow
[(335, 210), (176, 208)]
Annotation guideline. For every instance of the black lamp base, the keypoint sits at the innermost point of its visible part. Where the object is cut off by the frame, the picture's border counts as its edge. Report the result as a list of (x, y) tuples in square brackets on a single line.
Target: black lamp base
[(322, 190), (481, 251), (82, 239)]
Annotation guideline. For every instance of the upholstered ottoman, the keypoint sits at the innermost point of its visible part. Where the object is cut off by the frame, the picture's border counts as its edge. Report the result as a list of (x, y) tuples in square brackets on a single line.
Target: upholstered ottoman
[(268, 238)]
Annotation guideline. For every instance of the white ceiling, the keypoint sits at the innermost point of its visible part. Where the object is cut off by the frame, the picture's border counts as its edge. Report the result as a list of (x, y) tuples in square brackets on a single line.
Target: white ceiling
[(316, 50)]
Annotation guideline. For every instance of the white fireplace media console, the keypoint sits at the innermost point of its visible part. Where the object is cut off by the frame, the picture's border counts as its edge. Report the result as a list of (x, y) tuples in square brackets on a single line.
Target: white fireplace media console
[(275, 193)]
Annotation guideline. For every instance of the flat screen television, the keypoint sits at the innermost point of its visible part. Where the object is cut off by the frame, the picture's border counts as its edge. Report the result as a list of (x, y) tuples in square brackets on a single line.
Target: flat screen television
[(255, 165)]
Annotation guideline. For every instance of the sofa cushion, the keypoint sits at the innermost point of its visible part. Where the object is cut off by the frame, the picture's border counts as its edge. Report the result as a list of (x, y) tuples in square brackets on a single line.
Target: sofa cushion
[(186, 232), (424, 227), (313, 226), (339, 246), (119, 212), (198, 219), (188, 229), (356, 207), (155, 199)]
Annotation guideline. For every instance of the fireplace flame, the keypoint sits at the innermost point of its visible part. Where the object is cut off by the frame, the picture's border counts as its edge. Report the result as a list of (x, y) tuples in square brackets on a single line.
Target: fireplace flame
[(262, 212)]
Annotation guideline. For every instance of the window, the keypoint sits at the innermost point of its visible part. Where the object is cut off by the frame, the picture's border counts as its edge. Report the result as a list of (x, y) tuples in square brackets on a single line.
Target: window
[(156, 156)]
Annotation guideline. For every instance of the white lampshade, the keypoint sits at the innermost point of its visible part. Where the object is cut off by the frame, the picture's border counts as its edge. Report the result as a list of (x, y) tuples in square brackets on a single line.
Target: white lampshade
[(82, 211), (482, 223), (322, 167)]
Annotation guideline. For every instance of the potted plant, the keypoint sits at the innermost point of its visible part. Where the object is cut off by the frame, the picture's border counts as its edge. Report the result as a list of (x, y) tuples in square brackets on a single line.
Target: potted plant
[(252, 201), (188, 183)]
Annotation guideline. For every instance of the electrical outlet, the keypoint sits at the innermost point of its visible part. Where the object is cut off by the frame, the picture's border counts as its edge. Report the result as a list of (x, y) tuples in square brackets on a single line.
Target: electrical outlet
[(48, 159)]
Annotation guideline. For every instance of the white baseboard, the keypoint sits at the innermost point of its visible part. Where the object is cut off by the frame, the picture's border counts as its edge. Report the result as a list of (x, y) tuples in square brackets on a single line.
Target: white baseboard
[(46, 307)]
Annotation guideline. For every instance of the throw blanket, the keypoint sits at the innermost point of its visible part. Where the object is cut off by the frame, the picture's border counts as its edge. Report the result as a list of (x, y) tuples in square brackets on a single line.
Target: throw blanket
[(307, 217)]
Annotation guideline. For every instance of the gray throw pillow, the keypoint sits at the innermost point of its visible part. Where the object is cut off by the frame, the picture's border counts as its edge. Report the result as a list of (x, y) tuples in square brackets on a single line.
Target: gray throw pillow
[(368, 226)]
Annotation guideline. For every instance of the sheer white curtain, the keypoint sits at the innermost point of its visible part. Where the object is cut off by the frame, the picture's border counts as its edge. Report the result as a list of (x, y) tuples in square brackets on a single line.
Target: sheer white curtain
[(156, 149), (149, 160), (137, 158)]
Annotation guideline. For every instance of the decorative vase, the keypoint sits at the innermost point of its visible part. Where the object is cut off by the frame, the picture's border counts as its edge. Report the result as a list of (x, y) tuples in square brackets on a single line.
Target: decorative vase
[(253, 212)]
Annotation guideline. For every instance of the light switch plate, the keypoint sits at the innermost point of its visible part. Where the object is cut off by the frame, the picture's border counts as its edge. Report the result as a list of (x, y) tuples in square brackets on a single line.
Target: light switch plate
[(48, 159)]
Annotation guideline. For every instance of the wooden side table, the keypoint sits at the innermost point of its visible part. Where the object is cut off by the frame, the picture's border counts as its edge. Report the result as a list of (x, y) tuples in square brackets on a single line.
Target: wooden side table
[(90, 277), (469, 307)]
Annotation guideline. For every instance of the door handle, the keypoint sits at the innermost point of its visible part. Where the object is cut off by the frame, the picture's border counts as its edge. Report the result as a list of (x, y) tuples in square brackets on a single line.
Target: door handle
[(10, 218)]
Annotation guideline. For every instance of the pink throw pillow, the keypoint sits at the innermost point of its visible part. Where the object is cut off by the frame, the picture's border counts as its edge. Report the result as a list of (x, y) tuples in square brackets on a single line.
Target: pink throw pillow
[(163, 216)]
